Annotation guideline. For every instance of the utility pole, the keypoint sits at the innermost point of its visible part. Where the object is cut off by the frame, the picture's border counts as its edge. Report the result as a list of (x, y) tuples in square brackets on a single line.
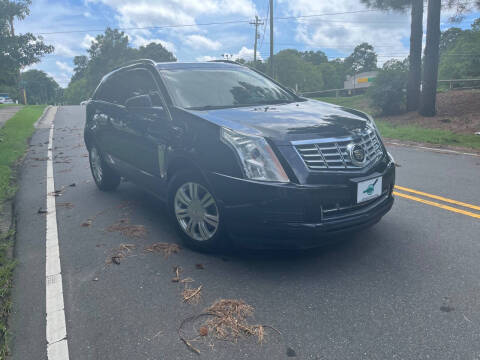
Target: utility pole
[(271, 38), (257, 22)]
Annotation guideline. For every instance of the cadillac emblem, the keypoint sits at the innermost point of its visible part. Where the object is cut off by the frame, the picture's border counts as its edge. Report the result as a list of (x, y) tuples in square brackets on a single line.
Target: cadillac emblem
[(357, 154)]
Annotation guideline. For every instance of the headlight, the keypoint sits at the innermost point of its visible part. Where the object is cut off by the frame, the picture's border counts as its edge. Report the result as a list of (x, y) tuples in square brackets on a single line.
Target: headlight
[(391, 157), (256, 156)]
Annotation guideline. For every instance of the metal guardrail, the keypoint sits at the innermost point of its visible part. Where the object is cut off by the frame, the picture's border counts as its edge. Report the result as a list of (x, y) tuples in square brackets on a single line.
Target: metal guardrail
[(450, 82)]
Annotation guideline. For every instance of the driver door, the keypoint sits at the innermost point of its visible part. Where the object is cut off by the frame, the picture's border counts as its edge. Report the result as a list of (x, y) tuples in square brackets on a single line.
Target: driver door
[(146, 128)]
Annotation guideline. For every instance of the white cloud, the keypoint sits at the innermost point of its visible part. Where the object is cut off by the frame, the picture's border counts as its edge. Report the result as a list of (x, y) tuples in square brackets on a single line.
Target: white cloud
[(245, 54), (87, 41), (175, 12), (138, 41), (202, 42), (64, 66), (61, 78), (386, 31), (63, 50), (206, 58)]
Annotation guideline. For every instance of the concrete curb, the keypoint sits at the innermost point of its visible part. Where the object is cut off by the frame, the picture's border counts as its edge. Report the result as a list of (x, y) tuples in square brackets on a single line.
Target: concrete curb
[(35, 125)]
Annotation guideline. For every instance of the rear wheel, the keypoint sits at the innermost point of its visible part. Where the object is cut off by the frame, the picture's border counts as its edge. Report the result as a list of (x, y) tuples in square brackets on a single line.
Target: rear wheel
[(105, 177), (196, 212)]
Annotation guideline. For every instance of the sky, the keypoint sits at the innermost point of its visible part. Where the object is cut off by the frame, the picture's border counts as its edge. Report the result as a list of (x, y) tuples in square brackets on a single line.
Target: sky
[(71, 25)]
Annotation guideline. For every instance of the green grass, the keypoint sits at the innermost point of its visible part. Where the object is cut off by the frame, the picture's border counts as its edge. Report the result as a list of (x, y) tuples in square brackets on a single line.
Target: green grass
[(407, 132), (424, 135), (13, 143)]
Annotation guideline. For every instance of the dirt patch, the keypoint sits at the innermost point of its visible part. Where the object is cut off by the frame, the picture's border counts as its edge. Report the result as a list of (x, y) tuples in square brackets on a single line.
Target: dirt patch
[(457, 111)]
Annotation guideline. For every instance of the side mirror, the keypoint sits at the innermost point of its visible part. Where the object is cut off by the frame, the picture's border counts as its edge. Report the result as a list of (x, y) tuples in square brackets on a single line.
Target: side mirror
[(142, 101)]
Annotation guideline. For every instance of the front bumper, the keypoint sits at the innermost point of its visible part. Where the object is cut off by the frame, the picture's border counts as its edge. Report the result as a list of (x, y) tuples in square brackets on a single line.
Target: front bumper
[(263, 215)]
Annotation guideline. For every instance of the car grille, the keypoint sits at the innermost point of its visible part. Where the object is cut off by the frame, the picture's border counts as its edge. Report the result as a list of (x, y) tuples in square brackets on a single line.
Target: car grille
[(332, 154)]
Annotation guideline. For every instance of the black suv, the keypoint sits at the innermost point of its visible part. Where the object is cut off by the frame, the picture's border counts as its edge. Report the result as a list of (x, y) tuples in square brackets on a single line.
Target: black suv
[(235, 155)]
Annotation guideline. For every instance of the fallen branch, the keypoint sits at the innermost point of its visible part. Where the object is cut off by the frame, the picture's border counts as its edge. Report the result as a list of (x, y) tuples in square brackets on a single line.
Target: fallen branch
[(192, 294)]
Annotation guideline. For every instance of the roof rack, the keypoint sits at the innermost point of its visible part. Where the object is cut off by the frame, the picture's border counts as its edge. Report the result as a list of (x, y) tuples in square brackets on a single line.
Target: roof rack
[(137, 61), (226, 61)]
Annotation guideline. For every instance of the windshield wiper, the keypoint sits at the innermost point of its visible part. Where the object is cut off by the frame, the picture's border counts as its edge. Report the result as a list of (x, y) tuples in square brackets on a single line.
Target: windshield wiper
[(211, 107), (275, 102), (258, 103)]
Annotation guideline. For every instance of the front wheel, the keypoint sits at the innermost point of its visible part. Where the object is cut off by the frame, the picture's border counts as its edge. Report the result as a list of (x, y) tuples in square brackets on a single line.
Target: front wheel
[(105, 177), (196, 212)]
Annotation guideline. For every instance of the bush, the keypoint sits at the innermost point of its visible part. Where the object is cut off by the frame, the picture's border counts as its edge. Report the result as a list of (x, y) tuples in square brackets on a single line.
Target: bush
[(388, 92)]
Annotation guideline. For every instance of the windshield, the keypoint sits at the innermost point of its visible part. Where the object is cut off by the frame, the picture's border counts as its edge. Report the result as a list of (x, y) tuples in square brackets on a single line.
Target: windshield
[(222, 88)]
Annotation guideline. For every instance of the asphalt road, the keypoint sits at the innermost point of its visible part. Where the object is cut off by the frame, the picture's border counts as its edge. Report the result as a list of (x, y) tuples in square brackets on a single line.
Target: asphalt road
[(407, 288)]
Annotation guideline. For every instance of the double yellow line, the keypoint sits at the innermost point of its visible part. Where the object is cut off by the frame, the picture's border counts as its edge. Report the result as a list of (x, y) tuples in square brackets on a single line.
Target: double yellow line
[(436, 204)]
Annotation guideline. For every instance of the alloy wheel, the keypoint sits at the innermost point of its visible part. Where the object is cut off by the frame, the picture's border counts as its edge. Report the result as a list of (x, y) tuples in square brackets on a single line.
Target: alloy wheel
[(196, 211), (96, 164)]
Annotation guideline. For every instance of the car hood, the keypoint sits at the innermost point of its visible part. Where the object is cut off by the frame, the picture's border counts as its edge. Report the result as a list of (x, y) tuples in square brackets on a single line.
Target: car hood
[(283, 123)]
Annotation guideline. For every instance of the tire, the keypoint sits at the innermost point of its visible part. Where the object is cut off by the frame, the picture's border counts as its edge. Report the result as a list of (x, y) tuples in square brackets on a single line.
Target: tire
[(196, 213), (105, 177)]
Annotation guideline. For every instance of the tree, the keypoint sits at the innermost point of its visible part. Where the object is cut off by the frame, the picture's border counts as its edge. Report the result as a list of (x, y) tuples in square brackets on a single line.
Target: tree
[(17, 51), (106, 52), (448, 38), (458, 59), (430, 74), (314, 57), (415, 58), (333, 73), (81, 63), (416, 37), (388, 90), (40, 88), (461, 7), (292, 70), (362, 59), (12, 10), (155, 52), (76, 92)]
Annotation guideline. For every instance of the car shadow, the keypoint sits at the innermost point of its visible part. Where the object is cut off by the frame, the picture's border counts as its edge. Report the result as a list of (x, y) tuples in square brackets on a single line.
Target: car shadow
[(346, 247)]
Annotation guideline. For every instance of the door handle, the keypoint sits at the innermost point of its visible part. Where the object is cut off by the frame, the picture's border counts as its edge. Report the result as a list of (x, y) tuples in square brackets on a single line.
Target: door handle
[(177, 131)]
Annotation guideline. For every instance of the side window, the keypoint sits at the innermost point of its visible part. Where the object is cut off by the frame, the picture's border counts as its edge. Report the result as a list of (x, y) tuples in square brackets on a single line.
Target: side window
[(110, 91), (140, 82)]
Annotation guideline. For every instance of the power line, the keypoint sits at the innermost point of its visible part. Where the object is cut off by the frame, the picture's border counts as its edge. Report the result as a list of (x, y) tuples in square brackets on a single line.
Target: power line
[(246, 21), (265, 24), (257, 23)]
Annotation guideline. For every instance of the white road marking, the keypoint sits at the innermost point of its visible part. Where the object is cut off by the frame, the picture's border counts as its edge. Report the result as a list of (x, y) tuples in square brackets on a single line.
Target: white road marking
[(57, 344), (439, 150)]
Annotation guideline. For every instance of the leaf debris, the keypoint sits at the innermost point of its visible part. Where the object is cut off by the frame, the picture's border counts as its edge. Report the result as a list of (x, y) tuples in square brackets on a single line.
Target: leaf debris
[(192, 295), (228, 320), (167, 248), (87, 223), (120, 253), (124, 227)]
